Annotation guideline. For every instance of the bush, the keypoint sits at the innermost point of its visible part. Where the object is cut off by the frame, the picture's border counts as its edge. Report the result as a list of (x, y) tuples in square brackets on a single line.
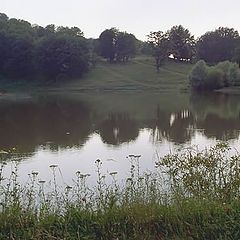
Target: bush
[(198, 75), (234, 75), (224, 67), (215, 79), (224, 74)]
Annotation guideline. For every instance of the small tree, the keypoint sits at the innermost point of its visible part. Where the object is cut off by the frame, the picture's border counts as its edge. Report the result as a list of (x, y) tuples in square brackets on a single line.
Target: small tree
[(198, 75)]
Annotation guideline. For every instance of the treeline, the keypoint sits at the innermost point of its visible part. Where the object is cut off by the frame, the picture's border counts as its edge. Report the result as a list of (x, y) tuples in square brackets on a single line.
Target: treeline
[(34, 52), (215, 46), (50, 52)]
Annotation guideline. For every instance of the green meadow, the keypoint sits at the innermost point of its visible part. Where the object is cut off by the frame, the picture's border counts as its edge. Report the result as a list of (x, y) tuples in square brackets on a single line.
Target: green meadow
[(137, 75)]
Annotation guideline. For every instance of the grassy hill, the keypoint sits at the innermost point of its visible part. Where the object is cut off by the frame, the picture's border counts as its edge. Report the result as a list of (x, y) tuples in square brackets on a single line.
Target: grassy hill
[(139, 74)]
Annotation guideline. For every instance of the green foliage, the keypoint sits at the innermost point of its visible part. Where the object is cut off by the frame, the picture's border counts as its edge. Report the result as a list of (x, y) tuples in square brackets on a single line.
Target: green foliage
[(19, 59), (159, 43), (217, 46), (117, 46), (224, 74), (198, 75), (231, 73), (191, 194), (52, 52), (62, 57), (144, 48), (236, 56), (234, 75), (182, 43), (107, 41), (215, 79), (125, 46)]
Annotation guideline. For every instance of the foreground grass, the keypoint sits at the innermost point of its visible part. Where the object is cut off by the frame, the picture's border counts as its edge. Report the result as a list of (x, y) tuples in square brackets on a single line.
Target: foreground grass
[(191, 195)]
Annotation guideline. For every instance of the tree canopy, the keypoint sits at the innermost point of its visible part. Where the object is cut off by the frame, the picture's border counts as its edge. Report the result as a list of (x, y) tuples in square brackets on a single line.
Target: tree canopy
[(117, 46), (52, 52), (218, 45), (182, 43), (159, 42)]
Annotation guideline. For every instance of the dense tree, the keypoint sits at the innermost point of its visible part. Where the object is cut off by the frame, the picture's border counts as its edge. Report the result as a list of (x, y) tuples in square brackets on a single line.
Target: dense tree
[(125, 46), (62, 57), (107, 42), (116, 45), (159, 42), (3, 17), (4, 48), (53, 52), (204, 77), (236, 56), (72, 32), (18, 62), (182, 43), (218, 45), (51, 28), (144, 48)]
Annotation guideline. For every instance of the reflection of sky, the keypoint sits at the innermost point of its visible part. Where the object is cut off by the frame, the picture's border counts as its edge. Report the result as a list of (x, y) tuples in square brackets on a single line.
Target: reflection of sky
[(70, 160)]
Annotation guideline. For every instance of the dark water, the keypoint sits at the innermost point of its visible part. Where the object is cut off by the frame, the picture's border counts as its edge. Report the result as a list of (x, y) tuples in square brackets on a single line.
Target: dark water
[(73, 130)]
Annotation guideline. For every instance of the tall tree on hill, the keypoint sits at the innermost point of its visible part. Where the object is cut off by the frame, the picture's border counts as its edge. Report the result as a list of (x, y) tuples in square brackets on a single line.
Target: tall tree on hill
[(125, 46), (218, 45), (116, 45), (182, 43), (160, 44), (107, 41)]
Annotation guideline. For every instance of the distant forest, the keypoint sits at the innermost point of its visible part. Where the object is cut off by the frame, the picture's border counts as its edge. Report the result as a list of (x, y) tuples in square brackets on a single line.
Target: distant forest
[(29, 51)]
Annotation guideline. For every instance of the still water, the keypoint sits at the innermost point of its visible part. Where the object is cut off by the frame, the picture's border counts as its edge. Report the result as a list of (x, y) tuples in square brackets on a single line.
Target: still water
[(73, 130)]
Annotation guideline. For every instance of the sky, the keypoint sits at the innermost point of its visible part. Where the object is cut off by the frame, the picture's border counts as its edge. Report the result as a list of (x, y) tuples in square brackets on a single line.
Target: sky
[(134, 16)]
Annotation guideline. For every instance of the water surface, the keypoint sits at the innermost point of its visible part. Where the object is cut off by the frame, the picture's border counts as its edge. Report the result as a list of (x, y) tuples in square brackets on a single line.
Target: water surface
[(73, 130)]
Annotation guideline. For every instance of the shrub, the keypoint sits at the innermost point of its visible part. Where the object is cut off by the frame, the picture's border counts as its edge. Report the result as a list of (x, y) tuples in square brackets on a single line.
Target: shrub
[(234, 75), (215, 79), (224, 67), (198, 75), (224, 74)]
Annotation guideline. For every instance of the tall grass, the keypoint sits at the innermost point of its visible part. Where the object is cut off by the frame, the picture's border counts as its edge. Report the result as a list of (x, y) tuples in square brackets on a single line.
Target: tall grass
[(191, 195)]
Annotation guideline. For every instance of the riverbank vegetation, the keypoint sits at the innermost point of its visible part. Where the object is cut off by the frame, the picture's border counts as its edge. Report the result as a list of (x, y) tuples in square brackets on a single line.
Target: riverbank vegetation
[(191, 194), (204, 77)]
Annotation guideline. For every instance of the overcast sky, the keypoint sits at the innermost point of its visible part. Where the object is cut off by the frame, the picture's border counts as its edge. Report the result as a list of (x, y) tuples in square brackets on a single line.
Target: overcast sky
[(135, 16)]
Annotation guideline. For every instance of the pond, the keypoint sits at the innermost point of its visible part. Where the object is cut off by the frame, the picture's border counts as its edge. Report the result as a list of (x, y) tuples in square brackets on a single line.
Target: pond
[(74, 130)]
